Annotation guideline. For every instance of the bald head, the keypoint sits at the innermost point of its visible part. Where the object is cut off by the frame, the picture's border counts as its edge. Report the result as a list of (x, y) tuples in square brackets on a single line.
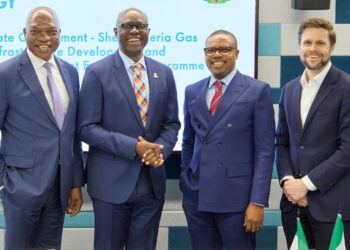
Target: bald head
[(42, 10), (126, 11)]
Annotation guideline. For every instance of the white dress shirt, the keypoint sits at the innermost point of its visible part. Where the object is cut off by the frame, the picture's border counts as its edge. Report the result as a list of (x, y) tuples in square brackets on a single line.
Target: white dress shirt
[(211, 88), (41, 72), (310, 88)]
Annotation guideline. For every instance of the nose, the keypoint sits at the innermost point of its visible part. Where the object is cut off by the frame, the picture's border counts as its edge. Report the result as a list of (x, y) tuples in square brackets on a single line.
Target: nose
[(134, 29), (43, 36), (217, 53), (314, 46)]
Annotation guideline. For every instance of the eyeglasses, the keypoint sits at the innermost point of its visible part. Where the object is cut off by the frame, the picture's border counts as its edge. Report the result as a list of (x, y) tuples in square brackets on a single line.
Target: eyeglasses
[(130, 26), (222, 51)]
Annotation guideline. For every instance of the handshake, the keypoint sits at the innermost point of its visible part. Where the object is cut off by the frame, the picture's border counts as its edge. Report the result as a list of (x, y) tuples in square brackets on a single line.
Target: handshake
[(150, 153)]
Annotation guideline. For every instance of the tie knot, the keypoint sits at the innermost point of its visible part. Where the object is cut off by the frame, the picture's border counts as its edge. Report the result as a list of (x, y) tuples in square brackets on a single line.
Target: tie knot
[(218, 85), (137, 67), (47, 66)]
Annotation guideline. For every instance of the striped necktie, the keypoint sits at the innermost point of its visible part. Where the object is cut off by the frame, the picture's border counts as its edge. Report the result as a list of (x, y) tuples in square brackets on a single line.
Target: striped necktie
[(217, 97), (140, 91)]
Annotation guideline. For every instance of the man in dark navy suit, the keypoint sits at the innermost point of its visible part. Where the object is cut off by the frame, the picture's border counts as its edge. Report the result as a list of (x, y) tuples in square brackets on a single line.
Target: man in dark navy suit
[(41, 169), (313, 140), (129, 117), (227, 151)]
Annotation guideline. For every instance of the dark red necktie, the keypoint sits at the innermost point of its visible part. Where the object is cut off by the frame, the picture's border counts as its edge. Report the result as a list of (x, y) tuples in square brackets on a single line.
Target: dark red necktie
[(217, 97)]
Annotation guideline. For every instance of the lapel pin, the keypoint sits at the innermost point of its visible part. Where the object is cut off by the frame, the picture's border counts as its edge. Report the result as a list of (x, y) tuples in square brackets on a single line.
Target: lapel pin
[(229, 125), (155, 75)]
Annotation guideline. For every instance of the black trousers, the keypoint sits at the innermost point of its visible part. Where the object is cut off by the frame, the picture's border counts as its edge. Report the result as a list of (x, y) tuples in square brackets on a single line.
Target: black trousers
[(318, 234)]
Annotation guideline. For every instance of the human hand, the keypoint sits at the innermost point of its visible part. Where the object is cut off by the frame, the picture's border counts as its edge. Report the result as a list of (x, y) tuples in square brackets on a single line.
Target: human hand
[(75, 201), (295, 190), (254, 218), (149, 153)]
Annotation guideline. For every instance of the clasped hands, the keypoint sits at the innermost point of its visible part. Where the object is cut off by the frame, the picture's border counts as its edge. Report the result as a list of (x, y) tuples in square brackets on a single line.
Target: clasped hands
[(295, 190), (150, 153)]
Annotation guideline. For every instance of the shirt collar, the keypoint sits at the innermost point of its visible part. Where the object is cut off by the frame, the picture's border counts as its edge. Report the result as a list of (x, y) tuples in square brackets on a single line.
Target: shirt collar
[(226, 80), (38, 62), (128, 62), (319, 78)]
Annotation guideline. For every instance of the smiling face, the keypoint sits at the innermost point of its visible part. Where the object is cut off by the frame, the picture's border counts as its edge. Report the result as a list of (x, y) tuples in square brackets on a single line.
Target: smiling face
[(132, 41), (218, 64), (315, 49), (42, 34)]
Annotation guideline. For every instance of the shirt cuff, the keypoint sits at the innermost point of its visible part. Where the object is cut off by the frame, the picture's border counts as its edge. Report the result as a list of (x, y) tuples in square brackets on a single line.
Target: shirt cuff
[(308, 183), (287, 177), (257, 204), (2, 187)]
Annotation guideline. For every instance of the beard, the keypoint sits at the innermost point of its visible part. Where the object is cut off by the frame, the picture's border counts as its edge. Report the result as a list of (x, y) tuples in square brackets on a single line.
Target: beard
[(318, 66)]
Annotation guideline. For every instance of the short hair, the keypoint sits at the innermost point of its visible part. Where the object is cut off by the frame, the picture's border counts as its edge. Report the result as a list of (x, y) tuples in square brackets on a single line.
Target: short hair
[(51, 11), (130, 9), (318, 23), (222, 32)]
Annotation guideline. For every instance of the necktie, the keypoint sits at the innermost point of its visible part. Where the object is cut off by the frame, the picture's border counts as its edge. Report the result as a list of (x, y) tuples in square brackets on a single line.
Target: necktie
[(217, 97), (58, 107), (140, 93)]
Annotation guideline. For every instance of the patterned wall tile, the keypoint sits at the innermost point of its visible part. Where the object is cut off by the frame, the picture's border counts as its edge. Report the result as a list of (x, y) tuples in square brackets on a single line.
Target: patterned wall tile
[(342, 11), (269, 39), (289, 39), (343, 38), (280, 11), (290, 68), (269, 69)]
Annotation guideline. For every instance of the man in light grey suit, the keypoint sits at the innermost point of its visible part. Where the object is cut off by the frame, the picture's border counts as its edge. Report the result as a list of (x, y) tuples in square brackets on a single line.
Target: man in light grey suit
[(41, 169)]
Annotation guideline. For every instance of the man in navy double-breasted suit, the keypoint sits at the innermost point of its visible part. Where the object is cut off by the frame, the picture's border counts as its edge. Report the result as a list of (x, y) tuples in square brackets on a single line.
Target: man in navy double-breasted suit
[(313, 140), (128, 114), (41, 169), (227, 151)]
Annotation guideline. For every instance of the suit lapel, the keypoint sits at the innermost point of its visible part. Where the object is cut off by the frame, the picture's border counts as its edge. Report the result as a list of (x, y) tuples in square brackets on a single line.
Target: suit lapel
[(235, 89), (124, 81), (200, 102), (153, 90), (30, 78), (295, 106), (68, 83), (325, 89)]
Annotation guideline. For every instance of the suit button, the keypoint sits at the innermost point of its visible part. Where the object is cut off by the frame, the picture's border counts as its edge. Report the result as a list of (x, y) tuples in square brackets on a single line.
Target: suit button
[(301, 147), (204, 142), (219, 165), (219, 145)]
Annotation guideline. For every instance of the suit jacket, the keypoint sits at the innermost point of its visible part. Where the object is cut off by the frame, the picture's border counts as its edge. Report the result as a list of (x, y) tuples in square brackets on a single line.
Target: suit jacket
[(321, 149), (110, 122), (32, 145), (227, 158)]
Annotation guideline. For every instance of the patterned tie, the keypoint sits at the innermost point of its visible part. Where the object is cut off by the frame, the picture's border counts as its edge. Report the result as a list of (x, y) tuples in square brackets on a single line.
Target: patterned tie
[(217, 97), (140, 92), (58, 107)]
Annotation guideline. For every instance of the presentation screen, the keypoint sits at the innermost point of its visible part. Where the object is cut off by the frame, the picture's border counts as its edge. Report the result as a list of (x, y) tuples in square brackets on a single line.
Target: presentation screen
[(177, 36)]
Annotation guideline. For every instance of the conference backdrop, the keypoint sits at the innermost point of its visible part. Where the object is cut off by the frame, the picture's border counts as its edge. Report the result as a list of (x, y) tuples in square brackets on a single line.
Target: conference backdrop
[(177, 37)]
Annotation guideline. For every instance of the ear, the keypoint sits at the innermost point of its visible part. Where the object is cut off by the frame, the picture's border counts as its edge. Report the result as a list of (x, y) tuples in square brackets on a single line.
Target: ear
[(115, 31), (24, 31), (332, 48)]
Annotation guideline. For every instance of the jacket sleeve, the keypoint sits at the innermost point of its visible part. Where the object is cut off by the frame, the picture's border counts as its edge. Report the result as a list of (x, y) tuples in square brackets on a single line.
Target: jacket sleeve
[(264, 136), (90, 126), (188, 135), (171, 123), (3, 111), (283, 161)]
